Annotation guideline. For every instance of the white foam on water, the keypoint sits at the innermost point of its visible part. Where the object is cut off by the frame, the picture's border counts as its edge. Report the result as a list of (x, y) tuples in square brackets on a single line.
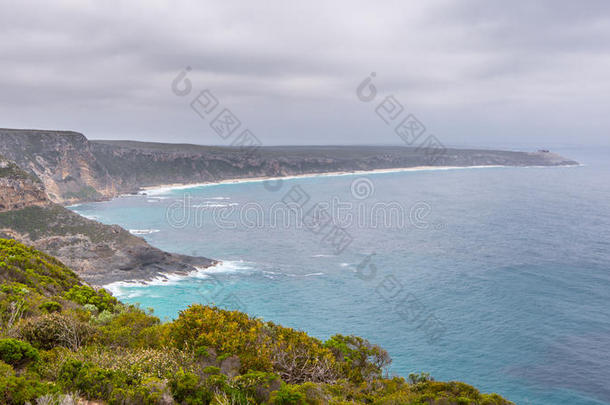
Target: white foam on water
[(143, 231), (302, 275), (164, 189), (224, 267), (119, 288), (214, 205)]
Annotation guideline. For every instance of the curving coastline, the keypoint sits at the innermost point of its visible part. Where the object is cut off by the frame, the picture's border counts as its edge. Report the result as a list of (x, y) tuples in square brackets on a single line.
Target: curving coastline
[(55, 168), (74, 169), (162, 188)]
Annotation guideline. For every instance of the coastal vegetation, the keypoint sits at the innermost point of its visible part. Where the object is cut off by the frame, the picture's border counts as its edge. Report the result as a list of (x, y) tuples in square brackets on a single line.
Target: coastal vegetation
[(62, 341), (55, 220)]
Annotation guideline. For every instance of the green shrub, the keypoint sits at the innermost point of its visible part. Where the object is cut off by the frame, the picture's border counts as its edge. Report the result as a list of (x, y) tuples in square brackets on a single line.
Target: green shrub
[(17, 352), (34, 269), (447, 390), (287, 395), (83, 295), (132, 328), (50, 306), (104, 317), (492, 399), (113, 386), (202, 352), (419, 378), (15, 303), (260, 346), (211, 370), (14, 288), (187, 388), (20, 390), (358, 359), (90, 380), (90, 308)]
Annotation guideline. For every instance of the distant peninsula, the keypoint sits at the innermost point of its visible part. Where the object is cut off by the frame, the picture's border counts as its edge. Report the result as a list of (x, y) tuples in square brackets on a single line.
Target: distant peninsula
[(74, 169)]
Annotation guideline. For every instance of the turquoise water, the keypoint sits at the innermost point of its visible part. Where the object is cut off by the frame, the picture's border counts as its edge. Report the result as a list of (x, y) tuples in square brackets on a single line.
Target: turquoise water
[(499, 277)]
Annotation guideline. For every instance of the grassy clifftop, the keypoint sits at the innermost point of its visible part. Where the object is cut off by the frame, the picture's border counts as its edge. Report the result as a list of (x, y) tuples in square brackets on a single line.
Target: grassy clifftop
[(59, 337), (55, 220), (99, 253)]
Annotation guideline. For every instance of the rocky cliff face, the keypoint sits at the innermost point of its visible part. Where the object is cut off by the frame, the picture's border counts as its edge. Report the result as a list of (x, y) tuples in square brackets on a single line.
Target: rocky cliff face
[(18, 189), (62, 160), (98, 253), (74, 169)]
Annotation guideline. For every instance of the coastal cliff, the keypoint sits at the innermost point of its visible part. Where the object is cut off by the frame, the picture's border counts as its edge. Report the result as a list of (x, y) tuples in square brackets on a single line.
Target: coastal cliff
[(98, 253), (19, 189), (74, 169), (62, 160)]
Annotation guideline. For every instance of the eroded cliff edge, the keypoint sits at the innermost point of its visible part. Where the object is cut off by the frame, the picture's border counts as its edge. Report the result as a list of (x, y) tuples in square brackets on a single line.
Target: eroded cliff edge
[(99, 253), (74, 169)]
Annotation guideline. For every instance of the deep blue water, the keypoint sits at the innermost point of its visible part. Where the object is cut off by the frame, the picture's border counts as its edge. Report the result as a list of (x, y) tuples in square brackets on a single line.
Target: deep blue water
[(499, 277)]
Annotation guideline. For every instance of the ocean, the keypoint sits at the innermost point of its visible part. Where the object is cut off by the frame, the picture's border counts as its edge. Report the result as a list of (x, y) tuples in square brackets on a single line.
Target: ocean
[(498, 277)]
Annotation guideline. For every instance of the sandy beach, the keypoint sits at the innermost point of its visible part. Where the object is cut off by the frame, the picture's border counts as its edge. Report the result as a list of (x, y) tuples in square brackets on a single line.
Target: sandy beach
[(163, 188)]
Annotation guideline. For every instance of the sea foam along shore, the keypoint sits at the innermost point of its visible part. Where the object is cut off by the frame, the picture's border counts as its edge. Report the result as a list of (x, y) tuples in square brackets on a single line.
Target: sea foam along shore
[(160, 279), (165, 188), (165, 278)]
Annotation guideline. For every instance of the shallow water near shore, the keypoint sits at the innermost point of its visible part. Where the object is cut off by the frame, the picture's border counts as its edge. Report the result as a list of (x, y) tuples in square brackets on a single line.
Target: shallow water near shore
[(498, 277)]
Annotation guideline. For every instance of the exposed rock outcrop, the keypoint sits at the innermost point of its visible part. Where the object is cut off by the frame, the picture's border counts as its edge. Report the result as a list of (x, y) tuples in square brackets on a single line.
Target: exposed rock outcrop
[(98, 253), (62, 160), (19, 189)]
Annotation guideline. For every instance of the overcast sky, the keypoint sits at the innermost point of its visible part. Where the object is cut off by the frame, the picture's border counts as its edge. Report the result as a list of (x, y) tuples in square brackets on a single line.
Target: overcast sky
[(475, 72)]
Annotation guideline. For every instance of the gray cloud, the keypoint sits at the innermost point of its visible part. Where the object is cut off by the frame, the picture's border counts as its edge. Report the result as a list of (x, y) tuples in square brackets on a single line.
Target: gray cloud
[(476, 71)]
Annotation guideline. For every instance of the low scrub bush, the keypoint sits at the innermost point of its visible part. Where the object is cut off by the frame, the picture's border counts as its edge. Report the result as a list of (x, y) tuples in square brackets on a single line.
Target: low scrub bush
[(50, 306), (21, 389), (51, 330), (17, 352), (84, 295)]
